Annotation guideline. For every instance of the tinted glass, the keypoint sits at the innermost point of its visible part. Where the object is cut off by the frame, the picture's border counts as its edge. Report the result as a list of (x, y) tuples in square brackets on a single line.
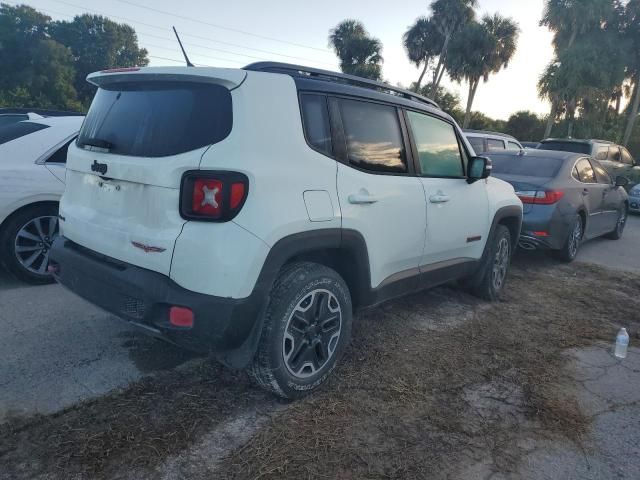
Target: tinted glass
[(513, 146), (315, 118), (60, 155), (566, 147), (17, 130), (493, 145), (8, 119), (626, 157), (526, 165), (614, 154), (437, 146), (157, 119), (477, 143), (601, 174), (601, 153), (372, 131), (585, 171)]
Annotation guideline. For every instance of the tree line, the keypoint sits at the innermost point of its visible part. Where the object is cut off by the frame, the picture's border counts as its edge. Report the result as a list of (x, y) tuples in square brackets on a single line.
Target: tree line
[(592, 83), (596, 64), (45, 62)]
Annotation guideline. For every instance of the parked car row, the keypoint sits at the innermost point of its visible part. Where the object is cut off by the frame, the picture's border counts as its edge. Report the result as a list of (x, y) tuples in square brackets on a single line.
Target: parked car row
[(248, 212)]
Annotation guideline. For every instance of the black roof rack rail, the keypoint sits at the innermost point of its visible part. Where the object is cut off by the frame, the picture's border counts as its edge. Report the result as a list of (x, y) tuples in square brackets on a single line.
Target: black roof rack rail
[(319, 74)]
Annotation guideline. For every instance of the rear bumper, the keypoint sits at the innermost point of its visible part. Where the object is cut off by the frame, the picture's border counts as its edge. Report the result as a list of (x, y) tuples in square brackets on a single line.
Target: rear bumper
[(222, 326)]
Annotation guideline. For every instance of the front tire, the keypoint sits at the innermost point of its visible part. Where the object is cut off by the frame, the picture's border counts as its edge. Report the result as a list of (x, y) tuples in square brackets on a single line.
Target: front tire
[(493, 273), (306, 329), (569, 250), (25, 242)]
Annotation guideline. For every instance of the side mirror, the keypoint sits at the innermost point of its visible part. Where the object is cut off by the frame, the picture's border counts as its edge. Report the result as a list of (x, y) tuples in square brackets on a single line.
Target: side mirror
[(478, 169), (621, 181)]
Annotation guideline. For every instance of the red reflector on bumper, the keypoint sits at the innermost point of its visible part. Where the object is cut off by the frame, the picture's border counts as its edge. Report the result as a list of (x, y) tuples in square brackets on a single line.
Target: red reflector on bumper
[(541, 234), (181, 317)]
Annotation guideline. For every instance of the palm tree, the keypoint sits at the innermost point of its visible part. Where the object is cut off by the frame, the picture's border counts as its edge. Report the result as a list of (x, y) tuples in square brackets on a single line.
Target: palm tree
[(422, 41), (549, 89), (632, 33), (448, 17), (358, 52), (568, 19), (479, 50)]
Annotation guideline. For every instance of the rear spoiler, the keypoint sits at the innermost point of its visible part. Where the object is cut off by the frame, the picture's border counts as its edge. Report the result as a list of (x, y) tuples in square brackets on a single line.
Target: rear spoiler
[(227, 77)]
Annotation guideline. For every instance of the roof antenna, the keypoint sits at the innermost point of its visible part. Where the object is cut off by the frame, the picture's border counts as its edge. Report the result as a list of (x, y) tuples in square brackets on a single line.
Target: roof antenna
[(189, 64)]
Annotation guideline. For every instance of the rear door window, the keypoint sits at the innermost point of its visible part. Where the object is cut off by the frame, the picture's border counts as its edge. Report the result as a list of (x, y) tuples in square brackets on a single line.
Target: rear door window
[(60, 155), (601, 174), (373, 135), (585, 171), (157, 119), (315, 120), (477, 143), (20, 129), (614, 154), (437, 146), (493, 145)]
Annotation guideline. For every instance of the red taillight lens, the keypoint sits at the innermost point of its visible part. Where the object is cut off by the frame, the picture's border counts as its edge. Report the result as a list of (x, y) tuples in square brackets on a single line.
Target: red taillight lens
[(207, 197), (212, 196), (181, 317), (540, 197)]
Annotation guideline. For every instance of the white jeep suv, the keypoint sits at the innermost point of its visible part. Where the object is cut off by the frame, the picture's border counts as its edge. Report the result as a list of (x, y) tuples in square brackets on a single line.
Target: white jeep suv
[(248, 212)]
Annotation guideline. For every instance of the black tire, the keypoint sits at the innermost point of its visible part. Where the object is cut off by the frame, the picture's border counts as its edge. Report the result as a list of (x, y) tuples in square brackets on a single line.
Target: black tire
[(492, 275), (571, 245), (623, 214), (289, 344), (16, 262)]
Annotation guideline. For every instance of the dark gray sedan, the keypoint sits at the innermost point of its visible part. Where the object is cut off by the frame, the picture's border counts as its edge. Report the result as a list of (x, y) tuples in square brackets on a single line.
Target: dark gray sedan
[(567, 197)]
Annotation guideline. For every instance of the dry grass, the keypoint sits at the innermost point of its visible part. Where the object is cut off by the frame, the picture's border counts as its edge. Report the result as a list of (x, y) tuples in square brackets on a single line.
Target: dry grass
[(432, 381)]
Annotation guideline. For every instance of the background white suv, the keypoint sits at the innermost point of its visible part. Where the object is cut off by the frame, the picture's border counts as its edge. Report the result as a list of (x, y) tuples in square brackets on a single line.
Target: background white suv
[(32, 168), (248, 212)]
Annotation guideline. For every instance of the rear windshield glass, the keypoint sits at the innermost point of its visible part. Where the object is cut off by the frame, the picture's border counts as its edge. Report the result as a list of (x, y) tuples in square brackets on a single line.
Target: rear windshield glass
[(566, 147), (527, 166), (17, 130), (157, 119)]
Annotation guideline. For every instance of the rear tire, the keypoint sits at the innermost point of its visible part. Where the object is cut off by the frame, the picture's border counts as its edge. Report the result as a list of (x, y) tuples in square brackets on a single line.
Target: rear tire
[(493, 273), (569, 250), (25, 241), (306, 329), (620, 224)]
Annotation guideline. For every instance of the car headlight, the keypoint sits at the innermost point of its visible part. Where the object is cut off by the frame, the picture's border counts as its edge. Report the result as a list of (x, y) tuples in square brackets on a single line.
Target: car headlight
[(635, 191)]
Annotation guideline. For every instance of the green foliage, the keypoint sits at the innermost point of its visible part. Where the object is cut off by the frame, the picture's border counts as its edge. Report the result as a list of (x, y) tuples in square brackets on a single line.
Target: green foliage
[(359, 53), (45, 63), (525, 126), (423, 43), (97, 43)]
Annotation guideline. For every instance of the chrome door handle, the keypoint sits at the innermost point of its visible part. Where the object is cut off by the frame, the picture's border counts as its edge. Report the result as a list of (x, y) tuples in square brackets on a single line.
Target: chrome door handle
[(362, 199), (439, 198)]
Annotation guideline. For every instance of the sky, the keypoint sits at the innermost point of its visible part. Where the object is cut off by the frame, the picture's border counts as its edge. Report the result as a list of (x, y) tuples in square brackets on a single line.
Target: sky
[(233, 34)]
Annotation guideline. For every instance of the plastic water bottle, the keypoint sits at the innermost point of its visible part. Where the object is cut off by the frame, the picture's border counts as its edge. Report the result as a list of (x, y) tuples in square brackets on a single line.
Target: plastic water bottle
[(622, 342)]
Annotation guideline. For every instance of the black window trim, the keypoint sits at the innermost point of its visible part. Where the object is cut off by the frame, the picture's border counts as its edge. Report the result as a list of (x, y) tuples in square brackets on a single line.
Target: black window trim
[(342, 156), (414, 148), (331, 126)]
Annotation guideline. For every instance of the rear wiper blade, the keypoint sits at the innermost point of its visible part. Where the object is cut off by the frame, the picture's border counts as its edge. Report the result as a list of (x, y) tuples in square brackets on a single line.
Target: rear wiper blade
[(96, 142)]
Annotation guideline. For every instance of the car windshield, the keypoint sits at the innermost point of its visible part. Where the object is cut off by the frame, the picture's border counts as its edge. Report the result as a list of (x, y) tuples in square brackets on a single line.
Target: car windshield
[(575, 147), (17, 130), (544, 167), (157, 119)]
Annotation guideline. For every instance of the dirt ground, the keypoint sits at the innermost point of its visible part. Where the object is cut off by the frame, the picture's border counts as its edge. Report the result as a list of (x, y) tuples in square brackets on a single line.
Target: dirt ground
[(433, 386)]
